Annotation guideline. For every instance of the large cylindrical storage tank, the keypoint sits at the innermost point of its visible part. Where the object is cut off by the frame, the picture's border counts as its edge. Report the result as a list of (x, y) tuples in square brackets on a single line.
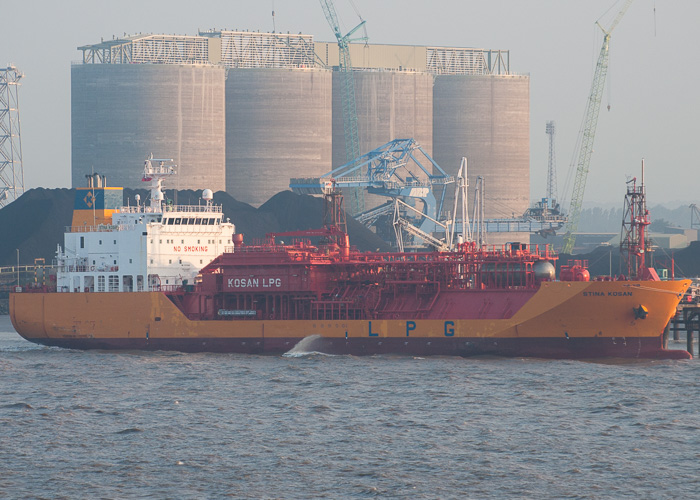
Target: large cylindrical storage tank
[(122, 112), (487, 120), (278, 126), (390, 105)]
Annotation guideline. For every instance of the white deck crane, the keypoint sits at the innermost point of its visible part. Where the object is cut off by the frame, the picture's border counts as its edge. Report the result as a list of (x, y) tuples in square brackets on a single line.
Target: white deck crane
[(587, 133)]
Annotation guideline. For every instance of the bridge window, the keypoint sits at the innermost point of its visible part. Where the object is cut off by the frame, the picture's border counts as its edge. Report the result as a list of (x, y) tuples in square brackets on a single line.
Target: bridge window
[(113, 283)]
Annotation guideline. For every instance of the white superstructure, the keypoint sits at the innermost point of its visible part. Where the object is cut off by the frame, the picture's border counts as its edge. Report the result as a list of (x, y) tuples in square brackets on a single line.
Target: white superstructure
[(146, 246)]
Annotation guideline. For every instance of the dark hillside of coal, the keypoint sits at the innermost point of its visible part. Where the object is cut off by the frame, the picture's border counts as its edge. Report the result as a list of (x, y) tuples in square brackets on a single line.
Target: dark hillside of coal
[(605, 261), (294, 212), (35, 222), (686, 260)]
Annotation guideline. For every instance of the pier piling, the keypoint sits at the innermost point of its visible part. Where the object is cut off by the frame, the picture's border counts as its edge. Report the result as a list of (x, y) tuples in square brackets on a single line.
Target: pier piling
[(689, 341), (687, 319)]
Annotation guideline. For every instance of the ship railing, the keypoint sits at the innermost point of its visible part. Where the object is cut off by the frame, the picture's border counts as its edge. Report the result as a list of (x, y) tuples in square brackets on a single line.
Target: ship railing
[(12, 270), (145, 209), (75, 268), (261, 249), (81, 268), (140, 209), (193, 208), (32, 288), (100, 228)]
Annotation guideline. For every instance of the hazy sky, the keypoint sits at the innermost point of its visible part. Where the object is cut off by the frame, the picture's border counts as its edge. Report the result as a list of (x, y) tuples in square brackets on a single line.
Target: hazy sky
[(654, 89)]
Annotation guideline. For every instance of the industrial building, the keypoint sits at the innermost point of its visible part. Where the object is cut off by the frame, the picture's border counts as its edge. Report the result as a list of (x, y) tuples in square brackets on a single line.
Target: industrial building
[(247, 111)]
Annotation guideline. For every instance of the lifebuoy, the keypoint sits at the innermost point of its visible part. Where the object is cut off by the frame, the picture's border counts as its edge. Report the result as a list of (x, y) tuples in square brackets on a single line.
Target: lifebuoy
[(92, 268)]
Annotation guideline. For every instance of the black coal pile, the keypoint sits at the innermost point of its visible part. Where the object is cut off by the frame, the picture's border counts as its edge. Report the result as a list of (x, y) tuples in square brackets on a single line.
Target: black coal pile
[(686, 260), (294, 212), (35, 222), (604, 261)]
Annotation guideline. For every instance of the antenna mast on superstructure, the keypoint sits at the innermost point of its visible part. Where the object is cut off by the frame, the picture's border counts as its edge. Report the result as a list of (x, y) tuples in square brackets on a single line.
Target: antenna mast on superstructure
[(155, 170), (11, 168), (551, 165)]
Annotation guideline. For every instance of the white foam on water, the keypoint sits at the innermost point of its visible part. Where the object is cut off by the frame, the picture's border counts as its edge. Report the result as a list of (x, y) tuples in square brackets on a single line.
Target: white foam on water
[(305, 347)]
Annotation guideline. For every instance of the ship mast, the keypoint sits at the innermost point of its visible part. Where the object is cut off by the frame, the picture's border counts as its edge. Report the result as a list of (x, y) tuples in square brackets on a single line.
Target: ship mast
[(633, 241), (333, 209), (155, 170)]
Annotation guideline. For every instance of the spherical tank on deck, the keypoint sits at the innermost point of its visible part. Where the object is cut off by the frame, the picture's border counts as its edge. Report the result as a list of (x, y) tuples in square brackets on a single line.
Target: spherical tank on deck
[(122, 112), (390, 105), (486, 118), (278, 126)]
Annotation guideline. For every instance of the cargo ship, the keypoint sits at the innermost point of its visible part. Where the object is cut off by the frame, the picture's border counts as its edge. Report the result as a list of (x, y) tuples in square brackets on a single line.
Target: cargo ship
[(159, 276)]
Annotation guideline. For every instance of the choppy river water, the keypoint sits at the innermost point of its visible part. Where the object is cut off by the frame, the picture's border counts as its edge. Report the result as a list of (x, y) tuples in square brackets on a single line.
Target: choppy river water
[(102, 424)]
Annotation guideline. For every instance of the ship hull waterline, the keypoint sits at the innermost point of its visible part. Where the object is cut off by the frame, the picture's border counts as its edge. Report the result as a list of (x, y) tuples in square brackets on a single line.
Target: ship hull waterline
[(564, 320)]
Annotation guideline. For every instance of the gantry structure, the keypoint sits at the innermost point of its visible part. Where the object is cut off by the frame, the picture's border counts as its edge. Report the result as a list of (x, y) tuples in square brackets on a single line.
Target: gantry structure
[(11, 167)]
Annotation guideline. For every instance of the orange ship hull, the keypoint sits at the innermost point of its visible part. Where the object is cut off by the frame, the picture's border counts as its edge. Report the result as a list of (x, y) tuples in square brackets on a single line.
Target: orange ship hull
[(561, 320)]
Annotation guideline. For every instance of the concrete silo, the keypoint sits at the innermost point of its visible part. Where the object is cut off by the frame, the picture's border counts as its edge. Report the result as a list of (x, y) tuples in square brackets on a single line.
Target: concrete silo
[(390, 105), (486, 118), (278, 112), (122, 112), (278, 126)]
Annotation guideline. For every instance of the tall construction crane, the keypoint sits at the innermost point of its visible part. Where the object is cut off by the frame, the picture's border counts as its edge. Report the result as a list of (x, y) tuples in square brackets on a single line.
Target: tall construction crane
[(347, 92), (587, 133)]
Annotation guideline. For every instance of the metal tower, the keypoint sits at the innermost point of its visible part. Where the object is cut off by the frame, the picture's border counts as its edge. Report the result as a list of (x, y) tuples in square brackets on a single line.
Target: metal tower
[(11, 169), (552, 164), (634, 246)]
